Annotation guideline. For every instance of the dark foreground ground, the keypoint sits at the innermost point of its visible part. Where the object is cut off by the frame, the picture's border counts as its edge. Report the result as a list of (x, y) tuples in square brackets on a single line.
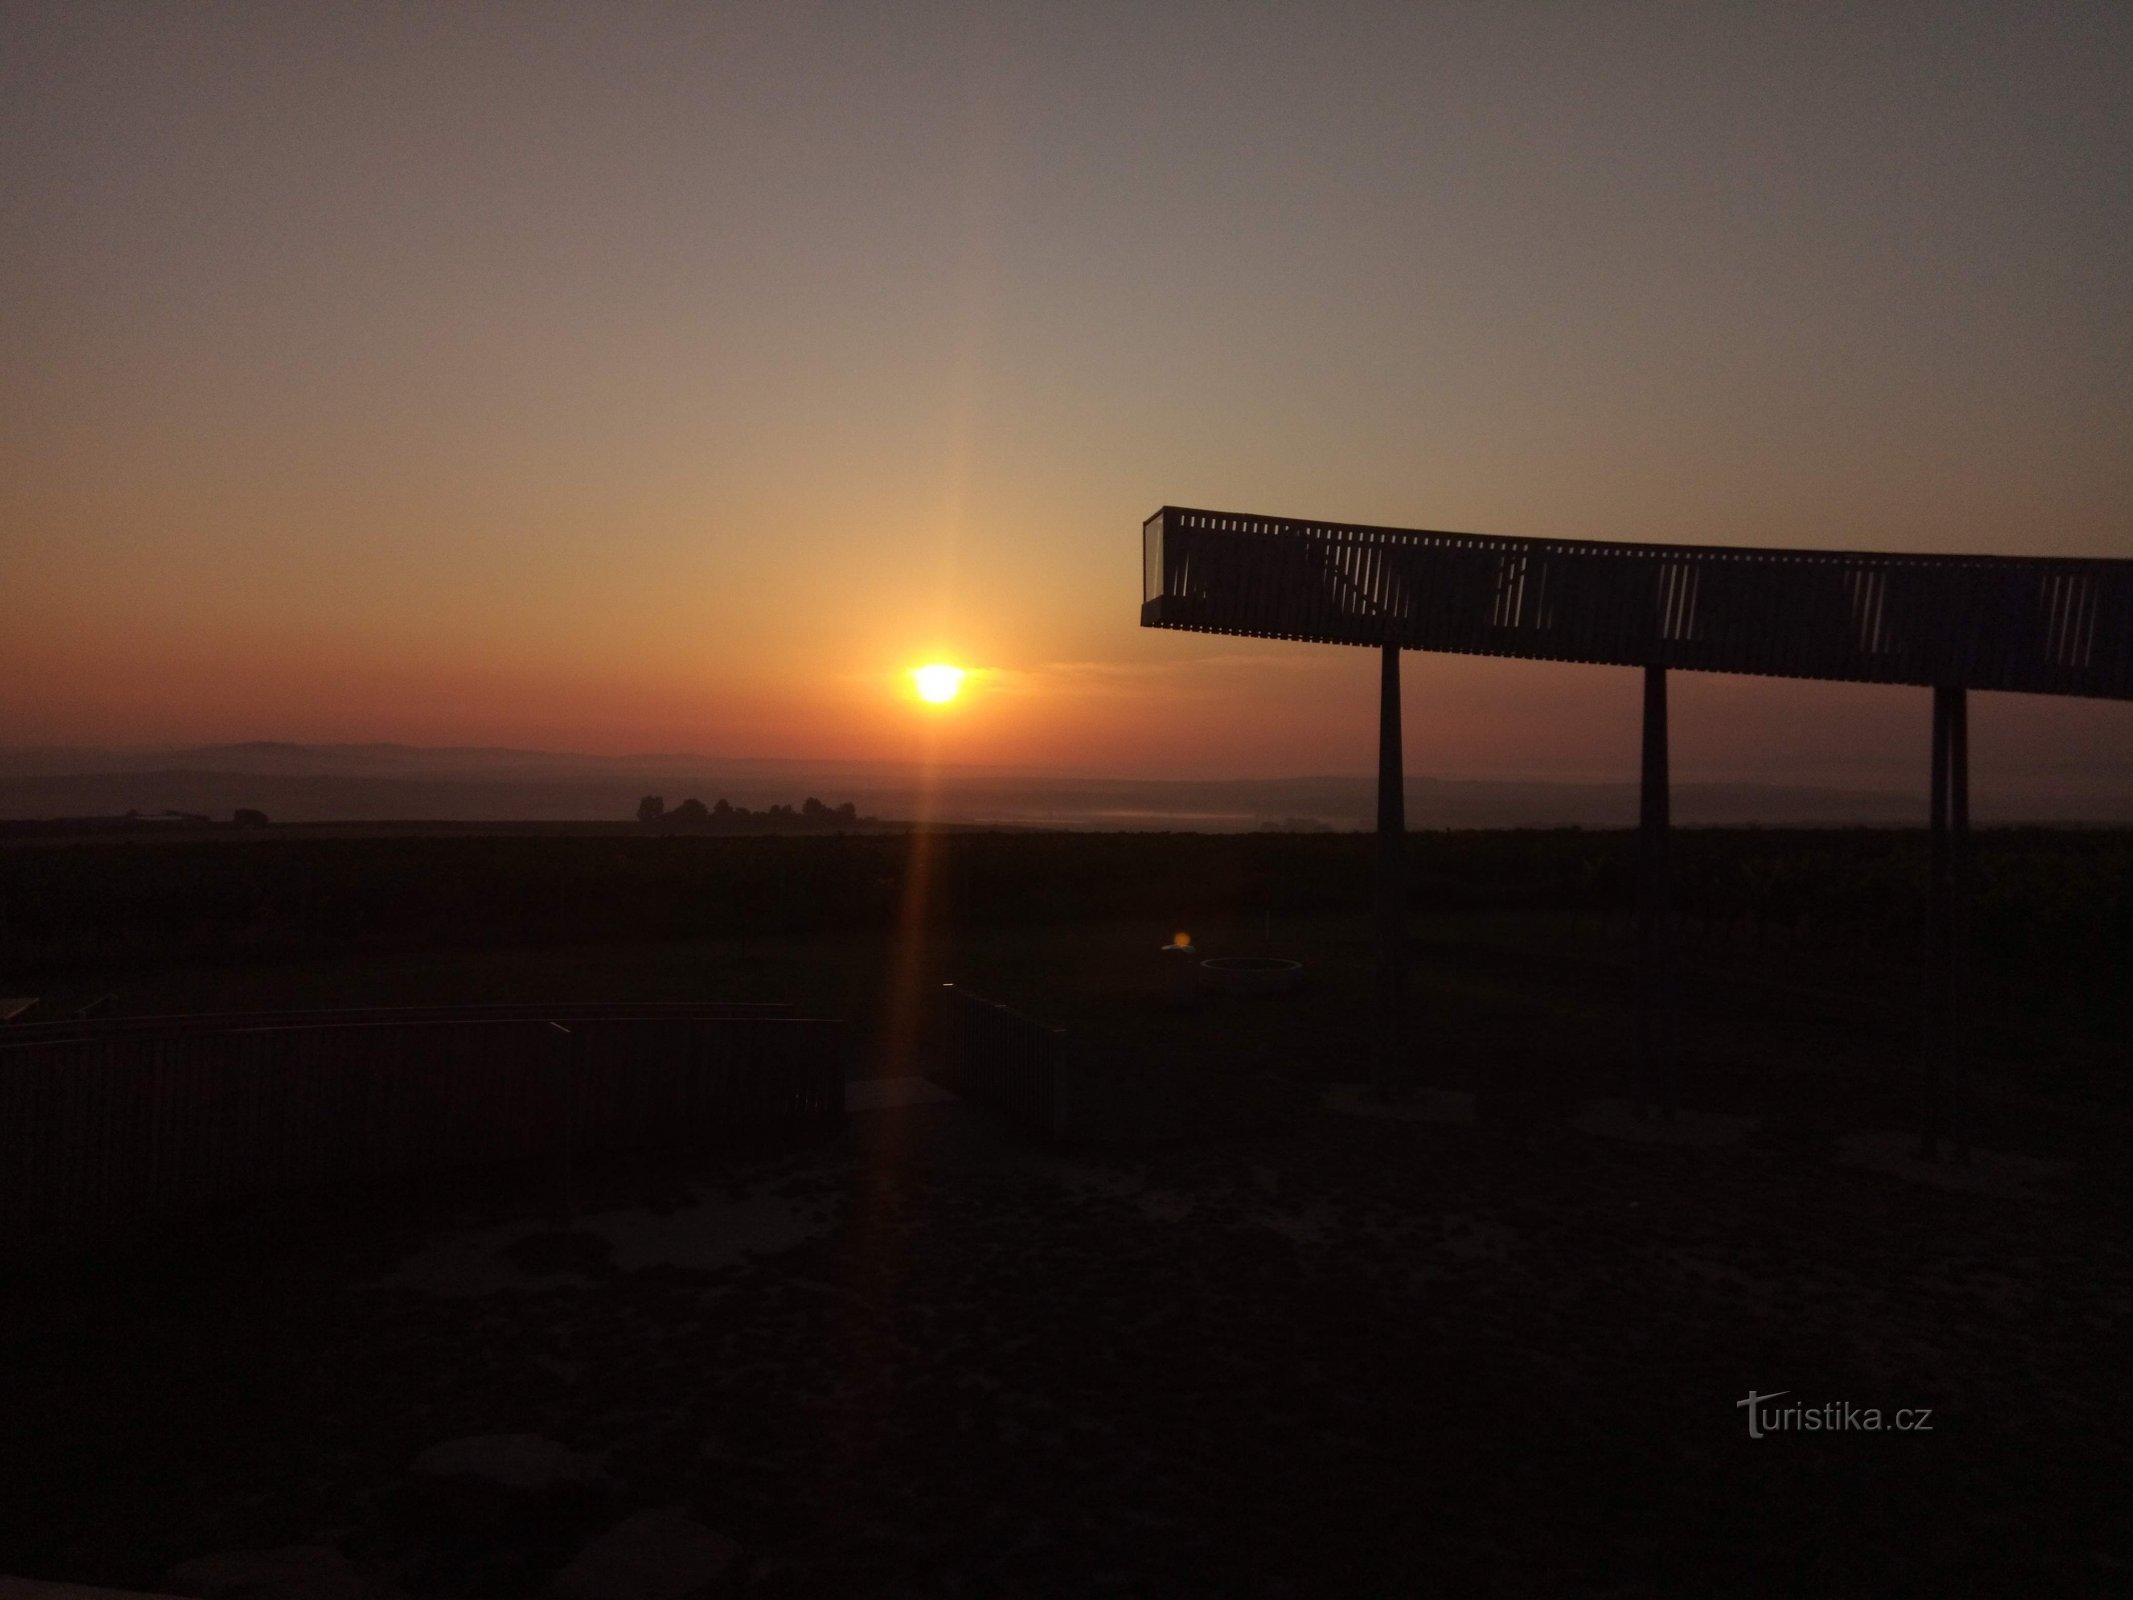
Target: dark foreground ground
[(1238, 1342), (1308, 1353)]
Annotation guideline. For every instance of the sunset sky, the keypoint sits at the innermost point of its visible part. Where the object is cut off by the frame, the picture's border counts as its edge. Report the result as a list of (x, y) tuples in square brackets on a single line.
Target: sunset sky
[(622, 378)]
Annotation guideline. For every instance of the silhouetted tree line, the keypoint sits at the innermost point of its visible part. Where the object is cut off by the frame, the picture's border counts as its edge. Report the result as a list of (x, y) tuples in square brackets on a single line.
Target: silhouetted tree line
[(693, 816)]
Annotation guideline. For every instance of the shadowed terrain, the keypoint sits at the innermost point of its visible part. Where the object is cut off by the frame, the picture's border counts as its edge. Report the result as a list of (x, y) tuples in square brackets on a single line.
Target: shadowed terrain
[(1309, 1354), (1247, 1333)]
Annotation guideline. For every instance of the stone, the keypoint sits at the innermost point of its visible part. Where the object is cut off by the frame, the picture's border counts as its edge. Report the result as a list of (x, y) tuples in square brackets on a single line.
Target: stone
[(498, 1477), (293, 1572), (563, 1251), (655, 1555), (524, 1463)]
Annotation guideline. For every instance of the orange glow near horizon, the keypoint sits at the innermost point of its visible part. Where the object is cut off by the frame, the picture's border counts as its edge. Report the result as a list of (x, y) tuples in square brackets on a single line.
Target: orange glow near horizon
[(386, 413)]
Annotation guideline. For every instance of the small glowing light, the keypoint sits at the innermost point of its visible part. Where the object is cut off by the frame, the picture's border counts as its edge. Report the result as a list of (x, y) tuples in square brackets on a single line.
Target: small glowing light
[(1182, 940), (938, 682)]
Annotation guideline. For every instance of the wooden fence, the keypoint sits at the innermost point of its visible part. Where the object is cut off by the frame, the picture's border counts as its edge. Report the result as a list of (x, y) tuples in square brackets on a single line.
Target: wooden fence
[(1009, 1064), (106, 1129)]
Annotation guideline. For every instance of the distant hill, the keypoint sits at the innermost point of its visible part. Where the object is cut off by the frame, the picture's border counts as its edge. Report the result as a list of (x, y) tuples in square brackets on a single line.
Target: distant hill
[(386, 782)]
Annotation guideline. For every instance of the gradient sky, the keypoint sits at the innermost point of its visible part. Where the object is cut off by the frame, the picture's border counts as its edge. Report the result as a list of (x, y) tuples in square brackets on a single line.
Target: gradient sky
[(674, 377)]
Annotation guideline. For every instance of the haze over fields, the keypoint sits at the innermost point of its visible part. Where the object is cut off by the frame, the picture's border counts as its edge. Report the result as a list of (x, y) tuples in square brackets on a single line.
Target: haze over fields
[(299, 783)]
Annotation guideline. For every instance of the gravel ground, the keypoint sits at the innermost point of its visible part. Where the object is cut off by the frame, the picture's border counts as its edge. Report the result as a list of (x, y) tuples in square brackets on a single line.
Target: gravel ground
[(1316, 1355)]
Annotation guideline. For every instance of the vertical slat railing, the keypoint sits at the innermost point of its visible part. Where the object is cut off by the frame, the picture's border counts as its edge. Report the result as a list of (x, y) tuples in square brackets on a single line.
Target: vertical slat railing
[(1782, 613), (110, 1132), (1008, 1064)]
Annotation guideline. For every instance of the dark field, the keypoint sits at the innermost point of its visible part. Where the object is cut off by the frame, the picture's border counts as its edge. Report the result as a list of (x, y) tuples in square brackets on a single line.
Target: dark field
[(1234, 1341), (1801, 951)]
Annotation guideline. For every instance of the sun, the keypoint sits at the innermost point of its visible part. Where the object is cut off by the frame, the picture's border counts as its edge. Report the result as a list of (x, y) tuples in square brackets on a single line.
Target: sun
[(938, 682)]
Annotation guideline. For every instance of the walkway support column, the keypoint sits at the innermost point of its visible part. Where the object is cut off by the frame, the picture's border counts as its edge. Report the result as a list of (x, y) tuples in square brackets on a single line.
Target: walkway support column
[(1949, 882), (1390, 1064), (1658, 1078)]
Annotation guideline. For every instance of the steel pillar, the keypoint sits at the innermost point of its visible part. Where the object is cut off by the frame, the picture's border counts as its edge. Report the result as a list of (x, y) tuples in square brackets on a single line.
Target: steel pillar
[(1390, 1064), (1949, 814), (1658, 1077)]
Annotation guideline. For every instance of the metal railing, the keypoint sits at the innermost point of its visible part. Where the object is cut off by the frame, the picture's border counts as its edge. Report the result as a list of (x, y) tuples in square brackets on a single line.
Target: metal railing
[(100, 1025), (1002, 1061), (119, 1126), (2040, 625)]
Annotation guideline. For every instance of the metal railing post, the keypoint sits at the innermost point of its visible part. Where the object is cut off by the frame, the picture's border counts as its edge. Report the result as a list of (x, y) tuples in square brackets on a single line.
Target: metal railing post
[(1657, 1068), (1392, 878), (567, 1099)]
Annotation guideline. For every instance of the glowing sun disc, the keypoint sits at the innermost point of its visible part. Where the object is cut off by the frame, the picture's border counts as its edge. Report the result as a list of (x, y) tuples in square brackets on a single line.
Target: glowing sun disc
[(938, 682)]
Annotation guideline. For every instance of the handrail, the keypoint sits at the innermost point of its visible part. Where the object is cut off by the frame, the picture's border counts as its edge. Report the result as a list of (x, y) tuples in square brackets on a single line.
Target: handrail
[(2032, 624), (114, 1132), (174, 1023)]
